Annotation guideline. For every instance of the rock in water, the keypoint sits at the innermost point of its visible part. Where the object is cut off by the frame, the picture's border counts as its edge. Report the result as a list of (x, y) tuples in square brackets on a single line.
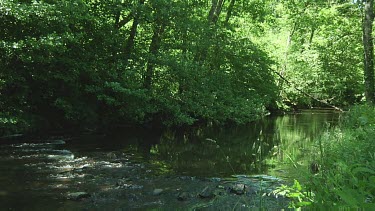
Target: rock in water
[(238, 189), (78, 196), (111, 155), (157, 191), (183, 196), (207, 192)]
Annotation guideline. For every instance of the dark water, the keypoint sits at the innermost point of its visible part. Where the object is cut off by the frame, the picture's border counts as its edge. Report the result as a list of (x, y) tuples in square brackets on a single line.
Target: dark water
[(123, 169)]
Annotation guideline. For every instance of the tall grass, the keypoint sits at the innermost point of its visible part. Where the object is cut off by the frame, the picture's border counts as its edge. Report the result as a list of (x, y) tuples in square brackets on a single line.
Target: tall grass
[(347, 162), (343, 176)]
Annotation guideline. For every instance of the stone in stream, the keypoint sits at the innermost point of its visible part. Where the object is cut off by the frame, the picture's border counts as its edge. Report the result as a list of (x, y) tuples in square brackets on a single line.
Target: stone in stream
[(124, 181), (78, 196), (238, 189), (220, 191), (207, 193), (111, 155), (183, 196), (157, 191)]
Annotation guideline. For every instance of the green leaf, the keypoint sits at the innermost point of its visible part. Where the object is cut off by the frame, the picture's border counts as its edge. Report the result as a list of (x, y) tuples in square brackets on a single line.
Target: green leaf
[(363, 170), (297, 186)]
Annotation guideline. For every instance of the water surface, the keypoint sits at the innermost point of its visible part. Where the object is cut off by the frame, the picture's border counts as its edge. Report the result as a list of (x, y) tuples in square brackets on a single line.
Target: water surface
[(122, 169)]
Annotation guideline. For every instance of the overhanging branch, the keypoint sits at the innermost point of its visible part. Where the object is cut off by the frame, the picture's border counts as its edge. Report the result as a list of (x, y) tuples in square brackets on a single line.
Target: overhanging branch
[(307, 94)]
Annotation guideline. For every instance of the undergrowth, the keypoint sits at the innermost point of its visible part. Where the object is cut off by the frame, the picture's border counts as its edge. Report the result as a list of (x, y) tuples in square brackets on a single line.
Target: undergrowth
[(346, 176)]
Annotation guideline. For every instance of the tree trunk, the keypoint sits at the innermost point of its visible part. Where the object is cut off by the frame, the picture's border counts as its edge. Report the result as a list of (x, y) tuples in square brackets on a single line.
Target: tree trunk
[(213, 16), (212, 10), (229, 12), (133, 32), (117, 19), (215, 11), (286, 53), (153, 50), (311, 36), (124, 21), (130, 42), (368, 51)]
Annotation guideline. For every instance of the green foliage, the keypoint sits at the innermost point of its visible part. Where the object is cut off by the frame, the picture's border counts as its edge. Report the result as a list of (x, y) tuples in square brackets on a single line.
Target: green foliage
[(88, 64), (43, 69), (348, 168), (318, 48), (298, 196)]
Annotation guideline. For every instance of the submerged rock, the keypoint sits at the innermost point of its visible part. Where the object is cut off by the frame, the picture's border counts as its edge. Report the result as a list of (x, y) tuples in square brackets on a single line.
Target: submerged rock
[(266, 178), (124, 181), (111, 155), (78, 196), (183, 196), (207, 192), (157, 191)]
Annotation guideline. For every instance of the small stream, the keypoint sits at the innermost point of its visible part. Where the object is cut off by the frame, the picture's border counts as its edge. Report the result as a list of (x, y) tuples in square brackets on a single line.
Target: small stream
[(233, 167)]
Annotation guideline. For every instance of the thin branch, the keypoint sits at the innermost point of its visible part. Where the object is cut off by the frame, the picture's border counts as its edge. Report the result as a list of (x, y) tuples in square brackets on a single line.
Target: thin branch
[(307, 94), (125, 20)]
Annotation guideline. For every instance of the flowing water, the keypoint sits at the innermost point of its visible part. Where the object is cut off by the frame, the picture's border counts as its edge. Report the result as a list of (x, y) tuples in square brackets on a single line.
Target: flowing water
[(188, 169)]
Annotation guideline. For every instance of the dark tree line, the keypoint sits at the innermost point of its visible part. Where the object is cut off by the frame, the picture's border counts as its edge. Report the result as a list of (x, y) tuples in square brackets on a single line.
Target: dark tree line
[(94, 64), (90, 64)]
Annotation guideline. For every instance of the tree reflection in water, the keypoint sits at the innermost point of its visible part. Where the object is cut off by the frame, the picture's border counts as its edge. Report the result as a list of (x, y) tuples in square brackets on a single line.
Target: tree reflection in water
[(256, 148)]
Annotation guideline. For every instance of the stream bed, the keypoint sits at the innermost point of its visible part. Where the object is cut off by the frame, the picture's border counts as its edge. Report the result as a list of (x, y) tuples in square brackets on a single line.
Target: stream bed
[(232, 167)]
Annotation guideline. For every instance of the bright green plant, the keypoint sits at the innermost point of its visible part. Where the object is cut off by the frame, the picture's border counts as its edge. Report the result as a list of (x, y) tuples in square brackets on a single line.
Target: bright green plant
[(299, 197)]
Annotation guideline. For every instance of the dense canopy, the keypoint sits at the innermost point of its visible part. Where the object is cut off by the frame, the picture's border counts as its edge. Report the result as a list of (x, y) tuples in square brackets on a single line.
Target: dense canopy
[(91, 64)]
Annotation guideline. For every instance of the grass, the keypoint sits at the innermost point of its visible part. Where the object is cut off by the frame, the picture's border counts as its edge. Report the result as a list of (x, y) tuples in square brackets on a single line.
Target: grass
[(346, 159)]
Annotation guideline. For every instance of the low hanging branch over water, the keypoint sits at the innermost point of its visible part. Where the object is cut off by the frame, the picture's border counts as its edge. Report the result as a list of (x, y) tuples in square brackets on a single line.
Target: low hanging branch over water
[(307, 94)]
